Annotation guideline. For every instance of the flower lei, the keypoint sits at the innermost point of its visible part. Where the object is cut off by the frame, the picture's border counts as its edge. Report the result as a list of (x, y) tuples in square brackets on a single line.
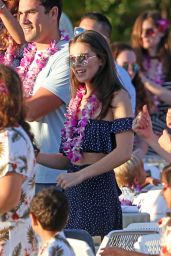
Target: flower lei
[(74, 129), (10, 53), (28, 73), (158, 77)]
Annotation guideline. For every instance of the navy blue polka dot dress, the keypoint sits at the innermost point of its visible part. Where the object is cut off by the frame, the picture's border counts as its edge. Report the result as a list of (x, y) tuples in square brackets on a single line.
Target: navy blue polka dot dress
[(94, 204)]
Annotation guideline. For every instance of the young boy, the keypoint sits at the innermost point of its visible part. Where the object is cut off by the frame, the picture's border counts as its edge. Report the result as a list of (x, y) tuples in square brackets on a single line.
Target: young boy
[(49, 213)]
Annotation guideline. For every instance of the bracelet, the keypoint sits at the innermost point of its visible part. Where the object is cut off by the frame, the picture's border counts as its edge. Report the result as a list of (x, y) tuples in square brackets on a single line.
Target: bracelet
[(2, 6)]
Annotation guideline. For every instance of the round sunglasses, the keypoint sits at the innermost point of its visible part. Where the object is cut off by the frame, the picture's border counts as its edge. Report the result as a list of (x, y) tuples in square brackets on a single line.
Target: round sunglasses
[(134, 66), (82, 59), (149, 32)]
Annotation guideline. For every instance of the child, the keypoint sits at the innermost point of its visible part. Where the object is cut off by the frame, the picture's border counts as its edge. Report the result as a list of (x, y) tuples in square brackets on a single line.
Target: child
[(49, 213), (131, 178)]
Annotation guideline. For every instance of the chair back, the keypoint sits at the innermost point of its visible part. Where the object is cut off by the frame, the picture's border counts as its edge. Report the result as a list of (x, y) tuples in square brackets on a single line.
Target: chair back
[(80, 234), (144, 226), (148, 244), (123, 238)]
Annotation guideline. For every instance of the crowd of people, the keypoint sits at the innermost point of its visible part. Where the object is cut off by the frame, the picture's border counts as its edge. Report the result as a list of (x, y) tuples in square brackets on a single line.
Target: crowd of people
[(71, 102)]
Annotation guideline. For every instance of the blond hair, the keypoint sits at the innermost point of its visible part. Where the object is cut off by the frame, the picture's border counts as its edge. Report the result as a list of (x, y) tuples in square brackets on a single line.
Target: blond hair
[(126, 172)]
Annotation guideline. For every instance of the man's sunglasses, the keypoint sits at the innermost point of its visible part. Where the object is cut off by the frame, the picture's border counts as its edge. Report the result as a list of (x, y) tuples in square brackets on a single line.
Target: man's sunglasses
[(78, 31)]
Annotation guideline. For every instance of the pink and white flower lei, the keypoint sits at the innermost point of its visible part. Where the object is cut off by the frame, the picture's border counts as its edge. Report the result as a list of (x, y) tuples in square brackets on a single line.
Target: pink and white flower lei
[(28, 73), (74, 128), (10, 53)]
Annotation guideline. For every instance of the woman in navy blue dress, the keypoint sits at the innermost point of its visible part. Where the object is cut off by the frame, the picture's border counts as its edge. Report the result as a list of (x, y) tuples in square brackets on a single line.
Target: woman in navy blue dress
[(97, 137)]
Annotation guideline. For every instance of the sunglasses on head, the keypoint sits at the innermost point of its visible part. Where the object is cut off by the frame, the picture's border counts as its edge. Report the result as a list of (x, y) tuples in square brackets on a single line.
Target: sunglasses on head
[(149, 31), (134, 66), (82, 59), (78, 31)]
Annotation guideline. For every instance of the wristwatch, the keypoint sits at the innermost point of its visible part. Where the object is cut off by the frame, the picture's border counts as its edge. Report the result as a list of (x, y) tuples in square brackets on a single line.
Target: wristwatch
[(2, 7)]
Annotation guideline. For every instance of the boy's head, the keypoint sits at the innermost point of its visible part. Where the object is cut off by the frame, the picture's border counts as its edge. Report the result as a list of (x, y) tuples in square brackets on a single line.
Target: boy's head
[(50, 209), (131, 173)]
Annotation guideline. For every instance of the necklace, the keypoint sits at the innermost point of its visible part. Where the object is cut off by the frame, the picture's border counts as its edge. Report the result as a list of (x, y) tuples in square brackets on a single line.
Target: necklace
[(157, 76), (10, 53), (29, 69), (74, 129)]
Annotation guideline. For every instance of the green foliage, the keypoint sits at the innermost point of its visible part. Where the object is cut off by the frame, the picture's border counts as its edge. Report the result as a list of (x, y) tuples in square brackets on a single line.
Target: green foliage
[(121, 13)]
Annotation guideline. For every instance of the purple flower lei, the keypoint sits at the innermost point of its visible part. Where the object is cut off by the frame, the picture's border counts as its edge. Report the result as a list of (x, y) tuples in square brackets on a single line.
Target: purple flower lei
[(158, 77), (74, 129), (28, 72)]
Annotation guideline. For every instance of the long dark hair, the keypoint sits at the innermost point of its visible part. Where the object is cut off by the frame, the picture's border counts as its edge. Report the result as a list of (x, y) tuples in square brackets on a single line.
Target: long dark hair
[(105, 81), (12, 110), (163, 52)]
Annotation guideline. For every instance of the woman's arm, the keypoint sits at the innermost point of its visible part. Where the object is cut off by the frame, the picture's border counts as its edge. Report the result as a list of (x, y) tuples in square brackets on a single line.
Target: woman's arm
[(10, 191), (12, 25), (54, 161), (122, 153), (163, 93), (143, 127)]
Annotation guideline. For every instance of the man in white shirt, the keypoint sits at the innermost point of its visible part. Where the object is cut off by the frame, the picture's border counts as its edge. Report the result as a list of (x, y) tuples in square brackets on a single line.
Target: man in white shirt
[(49, 87)]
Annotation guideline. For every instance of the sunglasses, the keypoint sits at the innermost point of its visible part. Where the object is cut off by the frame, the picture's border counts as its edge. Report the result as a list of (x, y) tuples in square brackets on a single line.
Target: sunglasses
[(134, 66), (149, 32), (82, 59), (78, 31)]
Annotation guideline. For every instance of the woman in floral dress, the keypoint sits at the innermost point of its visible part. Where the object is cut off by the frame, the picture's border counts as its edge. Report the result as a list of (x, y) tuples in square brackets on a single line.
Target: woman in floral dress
[(16, 169)]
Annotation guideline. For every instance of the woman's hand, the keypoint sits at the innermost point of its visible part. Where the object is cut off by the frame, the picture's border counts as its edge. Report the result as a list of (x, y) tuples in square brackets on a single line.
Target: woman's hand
[(142, 124), (165, 141), (68, 180), (152, 181), (116, 251)]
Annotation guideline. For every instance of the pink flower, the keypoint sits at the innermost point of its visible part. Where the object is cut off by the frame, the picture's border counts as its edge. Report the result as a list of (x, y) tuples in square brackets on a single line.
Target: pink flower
[(163, 24)]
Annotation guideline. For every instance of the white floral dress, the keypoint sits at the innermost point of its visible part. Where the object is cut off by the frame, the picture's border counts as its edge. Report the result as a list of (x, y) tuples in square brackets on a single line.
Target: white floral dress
[(56, 246), (165, 226), (17, 155)]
